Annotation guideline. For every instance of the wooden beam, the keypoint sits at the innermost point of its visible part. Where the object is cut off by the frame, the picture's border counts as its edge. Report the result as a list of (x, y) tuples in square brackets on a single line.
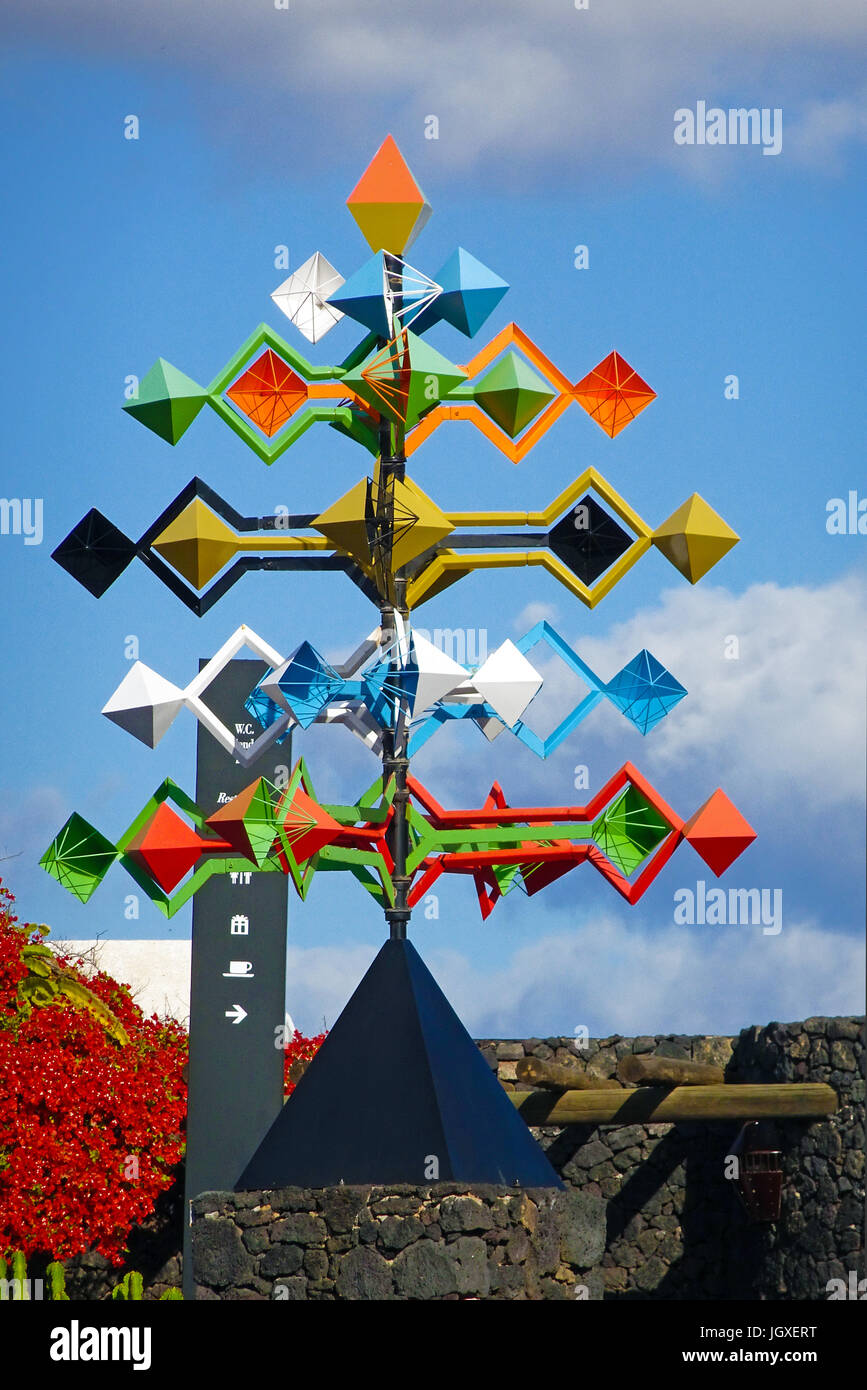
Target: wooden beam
[(556, 1077), (655, 1105), (668, 1071)]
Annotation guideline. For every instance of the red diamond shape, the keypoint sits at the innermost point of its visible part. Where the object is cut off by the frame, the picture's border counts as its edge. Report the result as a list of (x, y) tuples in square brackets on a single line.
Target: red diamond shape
[(307, 827), (613, 394), (165, 847), (268, 392), (718, 832)]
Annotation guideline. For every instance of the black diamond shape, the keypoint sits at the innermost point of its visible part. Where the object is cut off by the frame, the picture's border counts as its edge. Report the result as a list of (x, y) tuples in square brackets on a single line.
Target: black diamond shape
[(95, 552), (588, 540)]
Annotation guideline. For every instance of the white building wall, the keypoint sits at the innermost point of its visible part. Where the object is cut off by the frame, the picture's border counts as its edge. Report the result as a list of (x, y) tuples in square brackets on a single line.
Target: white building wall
[(157, 972)]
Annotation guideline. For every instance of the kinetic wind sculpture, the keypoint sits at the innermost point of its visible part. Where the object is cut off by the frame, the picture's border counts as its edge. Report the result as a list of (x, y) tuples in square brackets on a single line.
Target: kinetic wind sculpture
[(305, 688), (583, 546), (397, 689)]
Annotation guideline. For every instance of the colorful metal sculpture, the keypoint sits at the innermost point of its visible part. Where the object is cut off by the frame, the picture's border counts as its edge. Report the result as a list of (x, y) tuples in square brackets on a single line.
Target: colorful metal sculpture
[(587, 546), (305, 688), (390, 393), (400, 548), (266, 383), (626, 831)]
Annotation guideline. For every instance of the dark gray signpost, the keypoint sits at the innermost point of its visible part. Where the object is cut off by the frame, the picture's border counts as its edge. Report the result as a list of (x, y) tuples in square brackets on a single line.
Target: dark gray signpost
[(238, 976)]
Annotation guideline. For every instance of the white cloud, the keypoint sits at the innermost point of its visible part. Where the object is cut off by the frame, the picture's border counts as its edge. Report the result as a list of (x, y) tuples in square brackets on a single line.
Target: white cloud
[(320, 980), (533, 613), (827, 128), (782, 726), (643, 978), (640, 977), (521, 91), (786, 718)]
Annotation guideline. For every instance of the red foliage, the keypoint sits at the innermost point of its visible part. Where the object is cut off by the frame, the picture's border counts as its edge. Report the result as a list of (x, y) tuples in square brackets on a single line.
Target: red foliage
[(76, 1107), (299, 1050)]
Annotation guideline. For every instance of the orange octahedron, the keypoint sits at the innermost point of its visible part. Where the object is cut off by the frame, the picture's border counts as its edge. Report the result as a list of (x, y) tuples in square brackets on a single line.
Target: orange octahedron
[(613, 394), (268, 392), (247, 822), (387, 203)]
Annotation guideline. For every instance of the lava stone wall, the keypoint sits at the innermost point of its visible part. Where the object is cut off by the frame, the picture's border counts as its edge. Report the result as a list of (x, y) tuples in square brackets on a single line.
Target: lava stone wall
[(676, 1229), (439, 1242)]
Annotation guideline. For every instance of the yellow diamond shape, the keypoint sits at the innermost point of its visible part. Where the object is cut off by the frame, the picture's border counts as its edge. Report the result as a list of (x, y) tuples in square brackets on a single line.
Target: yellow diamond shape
[(694, 538), (344, 523), (197, 543), (419, 523)]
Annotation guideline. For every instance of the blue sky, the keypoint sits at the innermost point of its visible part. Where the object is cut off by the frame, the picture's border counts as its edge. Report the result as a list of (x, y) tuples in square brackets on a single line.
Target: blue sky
[(255, 125)]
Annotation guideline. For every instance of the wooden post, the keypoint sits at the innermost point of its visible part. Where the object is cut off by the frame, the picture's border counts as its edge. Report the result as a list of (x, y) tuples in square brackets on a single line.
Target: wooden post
[(654, 1105)]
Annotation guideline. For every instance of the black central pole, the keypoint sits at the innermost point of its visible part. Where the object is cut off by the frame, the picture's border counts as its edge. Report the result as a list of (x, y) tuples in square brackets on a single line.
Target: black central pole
[(395, 762)]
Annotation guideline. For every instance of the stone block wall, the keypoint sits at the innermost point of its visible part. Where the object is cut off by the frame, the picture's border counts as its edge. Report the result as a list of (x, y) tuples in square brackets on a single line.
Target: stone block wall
[(676, 1228), (438, 1242)]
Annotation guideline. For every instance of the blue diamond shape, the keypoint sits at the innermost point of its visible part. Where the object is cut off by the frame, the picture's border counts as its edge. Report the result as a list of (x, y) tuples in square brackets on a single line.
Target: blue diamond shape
[(645, 691)]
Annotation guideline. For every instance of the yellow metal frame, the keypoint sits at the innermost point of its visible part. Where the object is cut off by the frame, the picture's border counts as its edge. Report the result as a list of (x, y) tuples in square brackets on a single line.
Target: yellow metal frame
[(198, 543), (419, 588)]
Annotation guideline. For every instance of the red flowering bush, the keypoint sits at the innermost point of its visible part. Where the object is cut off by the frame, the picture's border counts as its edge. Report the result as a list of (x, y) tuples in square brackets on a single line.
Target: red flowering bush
[(297, 1054), (90, 1129)]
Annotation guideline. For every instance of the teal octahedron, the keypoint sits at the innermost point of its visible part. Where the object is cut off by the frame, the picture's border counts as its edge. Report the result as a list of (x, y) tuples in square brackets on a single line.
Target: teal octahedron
[(167, 401), (469, 294)]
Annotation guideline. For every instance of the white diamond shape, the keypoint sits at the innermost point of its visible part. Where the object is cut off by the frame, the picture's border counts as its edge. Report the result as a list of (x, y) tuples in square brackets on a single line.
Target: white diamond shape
[(438, 674), (507, 681), (145, 704), (303, 294)]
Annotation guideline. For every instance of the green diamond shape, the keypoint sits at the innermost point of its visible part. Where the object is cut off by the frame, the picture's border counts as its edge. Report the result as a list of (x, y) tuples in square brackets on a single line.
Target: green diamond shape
[(167, 401), (260, 823), (512, 394), (508, 876), (629, 830), (79, 857), (405, 393)]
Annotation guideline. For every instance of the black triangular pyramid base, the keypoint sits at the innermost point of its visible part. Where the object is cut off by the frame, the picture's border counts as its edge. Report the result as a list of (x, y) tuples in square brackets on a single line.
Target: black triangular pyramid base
[(398, 1093)]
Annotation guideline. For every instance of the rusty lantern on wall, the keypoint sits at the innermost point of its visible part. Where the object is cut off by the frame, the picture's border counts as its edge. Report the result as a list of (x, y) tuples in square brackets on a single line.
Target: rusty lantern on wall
[(760, 1171)]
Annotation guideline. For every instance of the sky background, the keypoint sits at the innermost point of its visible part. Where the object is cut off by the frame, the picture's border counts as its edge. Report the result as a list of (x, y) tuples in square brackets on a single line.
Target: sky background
[(555, 129)]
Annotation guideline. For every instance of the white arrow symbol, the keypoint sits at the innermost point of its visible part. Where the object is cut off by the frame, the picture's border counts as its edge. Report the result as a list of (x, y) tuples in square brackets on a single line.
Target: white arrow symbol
[(236, 1013)]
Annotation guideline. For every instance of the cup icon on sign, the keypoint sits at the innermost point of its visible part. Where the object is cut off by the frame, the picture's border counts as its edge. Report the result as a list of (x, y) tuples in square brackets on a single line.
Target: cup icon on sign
[(239, 970)]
